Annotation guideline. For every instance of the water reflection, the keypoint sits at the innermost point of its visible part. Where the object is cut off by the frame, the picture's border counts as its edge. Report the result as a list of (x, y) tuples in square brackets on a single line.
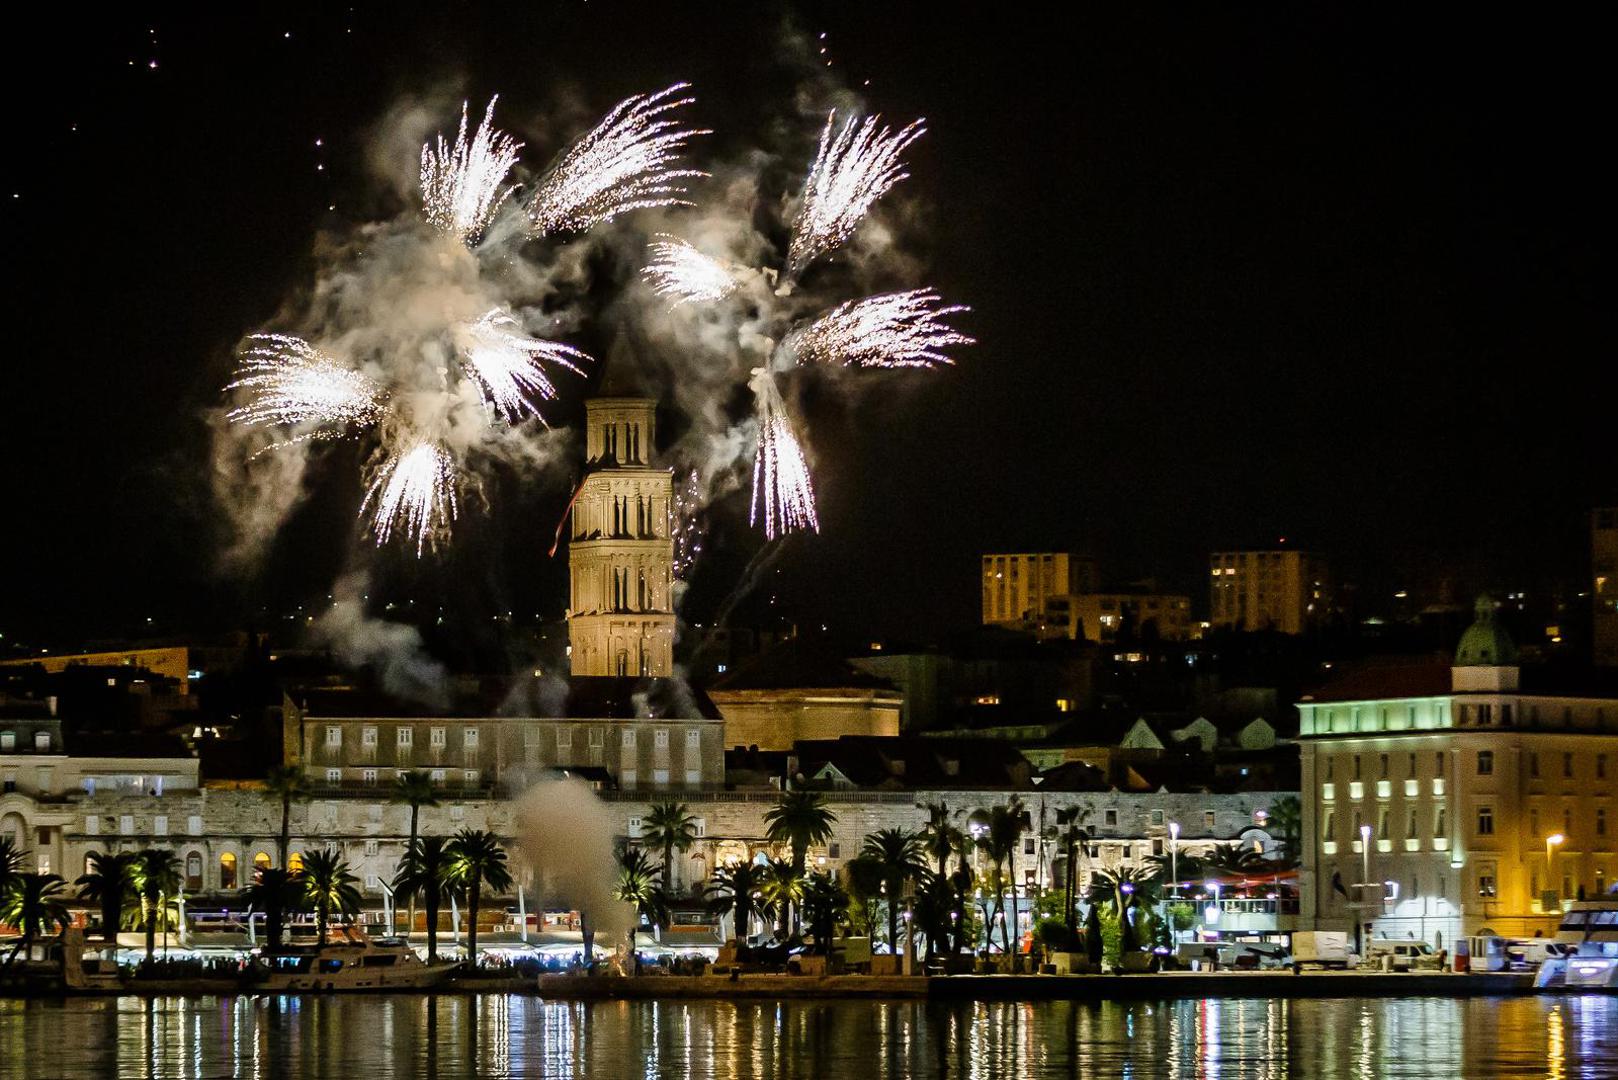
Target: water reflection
[(496, 1036)]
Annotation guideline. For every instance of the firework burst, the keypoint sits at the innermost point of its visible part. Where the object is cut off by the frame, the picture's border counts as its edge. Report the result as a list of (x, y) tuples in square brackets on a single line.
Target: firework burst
[(684, 274), (291, 382), (783, 497), (902, 329), (854, 168), (461, 183), (414, 492), (509, 366), (625, 162), (687, 522)]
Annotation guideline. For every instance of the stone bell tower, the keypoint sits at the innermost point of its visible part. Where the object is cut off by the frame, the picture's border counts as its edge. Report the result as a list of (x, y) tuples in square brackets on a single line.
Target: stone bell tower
[(621, 546)]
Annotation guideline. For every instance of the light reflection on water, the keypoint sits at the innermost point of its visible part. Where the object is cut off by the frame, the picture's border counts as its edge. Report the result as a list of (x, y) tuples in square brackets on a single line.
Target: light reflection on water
[(450, 1036)]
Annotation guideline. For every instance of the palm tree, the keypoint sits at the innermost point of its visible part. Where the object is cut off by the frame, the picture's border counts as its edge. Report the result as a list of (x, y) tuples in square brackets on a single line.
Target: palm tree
[(734, 891), (424, 873), (288, 784), (476, 860), (1232, 860), (33, 903), (781, 888), (328, 885), (999, 842), (825, 904), (1285, 822), (940, 837), (638, 885), (865, 885), (11, 861), (108, 882), (1072, 837), (670, 826), (1125, 887), (276, 891), (900, 855), (156, 874), (800, 820), (414, 788)]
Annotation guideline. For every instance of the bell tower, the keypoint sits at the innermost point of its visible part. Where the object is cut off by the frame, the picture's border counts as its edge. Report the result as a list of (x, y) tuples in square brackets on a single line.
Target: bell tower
[(621, 546)]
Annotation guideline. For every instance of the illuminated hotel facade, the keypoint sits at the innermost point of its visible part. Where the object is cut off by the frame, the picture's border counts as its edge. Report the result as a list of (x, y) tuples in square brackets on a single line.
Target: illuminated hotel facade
[(1281, 590), (1442, 802)]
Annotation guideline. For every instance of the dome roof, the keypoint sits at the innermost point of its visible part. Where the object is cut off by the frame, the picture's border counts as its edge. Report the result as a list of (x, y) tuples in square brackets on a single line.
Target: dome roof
[(1485, 643)]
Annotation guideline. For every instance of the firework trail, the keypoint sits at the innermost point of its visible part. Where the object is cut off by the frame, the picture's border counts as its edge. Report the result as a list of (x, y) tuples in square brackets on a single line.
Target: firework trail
[(415, 492), (688, 530), (782, 493), (461, 183), (624, 163), (509, 366), (852, 170), (291, 382), (680, 271), (902, 329)]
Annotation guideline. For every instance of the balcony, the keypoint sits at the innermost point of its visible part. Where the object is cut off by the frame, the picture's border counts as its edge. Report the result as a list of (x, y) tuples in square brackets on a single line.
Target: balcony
[(1384, 788), (1412, 844), (1356, 789), (1328, 847), (1358, 846), (1412, 788), (1438, 785), (1328, 792), (1384, 845), (1440, 843)]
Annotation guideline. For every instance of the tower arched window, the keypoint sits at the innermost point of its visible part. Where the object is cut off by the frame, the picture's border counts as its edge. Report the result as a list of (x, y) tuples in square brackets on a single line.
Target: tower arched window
[(623, 661)]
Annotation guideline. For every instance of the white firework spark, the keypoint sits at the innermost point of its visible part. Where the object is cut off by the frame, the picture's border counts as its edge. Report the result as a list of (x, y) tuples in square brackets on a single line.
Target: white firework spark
[(509, 366), (461, 183), (902, 329), (414, 491), (852, 170), (291, 382), (680, 271), (782, 493), (688, 530), (623, 163)]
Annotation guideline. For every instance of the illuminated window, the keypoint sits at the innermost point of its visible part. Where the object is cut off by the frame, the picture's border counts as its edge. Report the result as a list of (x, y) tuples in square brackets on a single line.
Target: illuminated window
[(227, 871), (295, 862)]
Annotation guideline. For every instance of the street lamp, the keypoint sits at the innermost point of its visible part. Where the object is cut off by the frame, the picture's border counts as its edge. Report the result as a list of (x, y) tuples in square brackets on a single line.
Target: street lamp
[(1552, 842), (1174, 856)]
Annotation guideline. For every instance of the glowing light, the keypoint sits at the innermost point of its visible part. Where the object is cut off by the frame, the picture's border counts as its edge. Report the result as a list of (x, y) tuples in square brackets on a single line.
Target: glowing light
[(623, 163), (782, 494), (291, 382), (853, 168), (680, 271), (688, 530), (903, 329), (461, 183), (508, 366), (414, 491)]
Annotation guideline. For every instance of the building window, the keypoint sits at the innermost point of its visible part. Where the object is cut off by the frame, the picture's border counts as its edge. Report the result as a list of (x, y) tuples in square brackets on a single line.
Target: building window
[(457, 812), (629, 738), (1412, 767), (1567, 822), (693, 740), (471, 777), (126, 824), (372, 847), (227, 871), (1601, 766), (193, 871), (1328, 768), (193, 824), (1328, 829), (1486, 885), (1157, 817), (660, 777), (1485, 762), (1440, 763), (1382, 825), (1533, 764), (1485, 821), (160, 825), (1533, 821), (627, 778), (368, 736), (404, 737), (334, 737), (261, 861), (598, 737), (437, 776), (1208, 820), (1356, 766), (435, 737), (369, 777), (1601, 822), (1384, 766), (8, 740), (469, 739), (660, 739), (1567, 765), (1111, 817), (1441, 823), (334, 776), (693, 778)]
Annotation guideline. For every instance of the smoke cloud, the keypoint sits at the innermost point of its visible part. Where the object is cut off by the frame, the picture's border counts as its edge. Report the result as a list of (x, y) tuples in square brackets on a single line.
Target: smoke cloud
[(566, 838), (394, 651)]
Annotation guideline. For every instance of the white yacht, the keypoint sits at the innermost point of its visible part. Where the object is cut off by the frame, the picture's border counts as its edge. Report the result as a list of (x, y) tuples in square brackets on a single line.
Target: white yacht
[(1589, 931), (349, 964)]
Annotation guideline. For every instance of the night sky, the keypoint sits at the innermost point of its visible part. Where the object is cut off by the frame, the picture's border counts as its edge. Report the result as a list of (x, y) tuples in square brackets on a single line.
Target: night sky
[(1238, 274)]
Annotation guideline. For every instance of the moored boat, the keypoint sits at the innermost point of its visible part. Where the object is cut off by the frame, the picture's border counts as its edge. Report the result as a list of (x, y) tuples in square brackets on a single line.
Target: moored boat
[(349, 964)]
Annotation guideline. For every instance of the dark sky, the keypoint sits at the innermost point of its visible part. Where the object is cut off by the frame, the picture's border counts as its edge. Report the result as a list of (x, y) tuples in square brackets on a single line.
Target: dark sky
[(1247, 272)]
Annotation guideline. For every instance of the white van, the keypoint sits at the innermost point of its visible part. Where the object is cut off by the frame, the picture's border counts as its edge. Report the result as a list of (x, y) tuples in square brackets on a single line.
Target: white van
[(1407, 955)]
